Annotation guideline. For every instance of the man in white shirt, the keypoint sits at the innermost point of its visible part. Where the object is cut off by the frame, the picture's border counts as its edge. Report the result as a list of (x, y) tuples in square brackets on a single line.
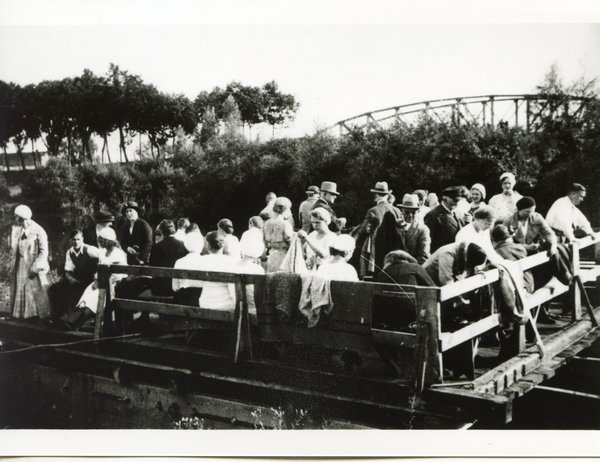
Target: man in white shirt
[(566, 219)]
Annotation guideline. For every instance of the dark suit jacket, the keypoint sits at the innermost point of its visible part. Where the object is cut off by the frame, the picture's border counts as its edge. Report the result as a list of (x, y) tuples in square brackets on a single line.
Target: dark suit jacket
[(443, 226), (418, 242), (141, 236), (164, 255), (89, 236), (375, 215)]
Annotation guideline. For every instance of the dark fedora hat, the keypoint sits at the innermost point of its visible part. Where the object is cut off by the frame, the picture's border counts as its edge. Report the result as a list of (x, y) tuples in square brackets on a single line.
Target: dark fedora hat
[(104, 217), (131, 205)]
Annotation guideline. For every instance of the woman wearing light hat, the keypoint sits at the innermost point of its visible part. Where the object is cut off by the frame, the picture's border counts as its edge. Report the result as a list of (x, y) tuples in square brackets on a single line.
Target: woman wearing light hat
[(28, 266), (337, 267), (506, 203), (477, 196)]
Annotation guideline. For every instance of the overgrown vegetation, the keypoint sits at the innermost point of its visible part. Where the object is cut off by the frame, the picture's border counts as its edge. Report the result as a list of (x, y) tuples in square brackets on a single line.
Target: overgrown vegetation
[(230, 176)]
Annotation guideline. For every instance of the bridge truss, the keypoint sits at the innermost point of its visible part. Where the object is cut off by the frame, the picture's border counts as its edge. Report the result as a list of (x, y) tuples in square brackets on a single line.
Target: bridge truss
[(514, 110)]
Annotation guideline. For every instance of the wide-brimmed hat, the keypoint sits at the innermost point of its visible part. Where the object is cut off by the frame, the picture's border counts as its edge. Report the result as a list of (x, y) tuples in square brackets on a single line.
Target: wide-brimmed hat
[(131, 205), (410, 202), (330, 187), (381, 187), (313, 190), (104, 217)]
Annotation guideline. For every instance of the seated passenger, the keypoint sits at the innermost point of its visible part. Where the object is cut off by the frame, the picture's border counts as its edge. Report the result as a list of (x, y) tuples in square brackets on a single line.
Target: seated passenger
[(253, 236), (102, 220), (231, 244), (399, 267), (509, 250), (337, 267), (81, 263), (187, 291), (318, 242), (454, 262), (164, 255), (109, 253), (252, 249), (216, 295), (478, 231), (529, 228), (182, 225)]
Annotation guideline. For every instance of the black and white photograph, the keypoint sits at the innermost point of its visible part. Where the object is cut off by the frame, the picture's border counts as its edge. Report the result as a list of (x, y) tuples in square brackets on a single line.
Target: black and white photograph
[(299, 216)]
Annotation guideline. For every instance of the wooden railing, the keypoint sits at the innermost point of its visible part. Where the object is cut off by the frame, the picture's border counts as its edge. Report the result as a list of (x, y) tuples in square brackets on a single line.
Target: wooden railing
[(351, 327)]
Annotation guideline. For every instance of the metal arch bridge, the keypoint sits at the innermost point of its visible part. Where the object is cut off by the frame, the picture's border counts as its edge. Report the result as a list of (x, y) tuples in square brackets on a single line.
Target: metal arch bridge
[(524, 110)]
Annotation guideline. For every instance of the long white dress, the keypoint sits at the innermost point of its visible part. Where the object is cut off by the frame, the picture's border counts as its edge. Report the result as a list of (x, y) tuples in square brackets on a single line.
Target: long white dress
[(89, 298)]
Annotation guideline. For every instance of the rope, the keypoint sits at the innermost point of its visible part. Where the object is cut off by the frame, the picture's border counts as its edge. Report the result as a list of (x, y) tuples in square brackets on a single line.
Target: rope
[(78, 342)]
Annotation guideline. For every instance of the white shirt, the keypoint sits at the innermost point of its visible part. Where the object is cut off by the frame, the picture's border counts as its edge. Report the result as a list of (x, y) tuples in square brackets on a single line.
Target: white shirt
[(481, 238), (565, 217), (217, 295), (337, 271), (191, 262)]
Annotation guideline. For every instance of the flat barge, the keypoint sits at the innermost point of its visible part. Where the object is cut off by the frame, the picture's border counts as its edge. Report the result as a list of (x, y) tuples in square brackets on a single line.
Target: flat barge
[(216, 369)]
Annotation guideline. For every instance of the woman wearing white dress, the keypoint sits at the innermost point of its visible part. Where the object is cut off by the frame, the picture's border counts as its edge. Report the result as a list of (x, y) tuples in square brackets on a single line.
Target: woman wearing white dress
[(506, 203)]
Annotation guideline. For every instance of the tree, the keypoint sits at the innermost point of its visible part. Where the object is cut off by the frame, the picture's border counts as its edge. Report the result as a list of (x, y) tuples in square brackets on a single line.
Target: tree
[(278, 107), (232, 116)]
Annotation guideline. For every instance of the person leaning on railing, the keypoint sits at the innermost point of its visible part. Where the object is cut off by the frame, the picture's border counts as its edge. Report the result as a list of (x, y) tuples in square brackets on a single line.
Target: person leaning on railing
[(567, 221)]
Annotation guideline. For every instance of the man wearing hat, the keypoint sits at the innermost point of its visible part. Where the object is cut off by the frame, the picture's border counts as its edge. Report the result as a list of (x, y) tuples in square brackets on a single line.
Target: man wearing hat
[(306, 206), (135, 235), (102, 220), (375, 214), (328, 196), (375, 241), (417, 241), (443, 222), (529, 228)]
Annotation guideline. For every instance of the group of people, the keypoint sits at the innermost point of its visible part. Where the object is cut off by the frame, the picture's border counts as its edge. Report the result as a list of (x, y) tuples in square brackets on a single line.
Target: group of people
[(416, 241)]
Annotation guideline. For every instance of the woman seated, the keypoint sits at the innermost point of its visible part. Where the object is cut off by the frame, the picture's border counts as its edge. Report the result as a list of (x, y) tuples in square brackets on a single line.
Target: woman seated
[(337, 267), (109, 253), (187, 291), (252, 249), (254, 236), (216, 295), (317, 243), (231, 246)]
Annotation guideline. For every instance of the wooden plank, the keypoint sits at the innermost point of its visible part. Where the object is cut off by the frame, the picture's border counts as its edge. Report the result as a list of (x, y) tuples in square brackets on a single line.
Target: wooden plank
[(467, 285), (534, 378), (388, 337), (428, 313), (544, 294), (175, 310), (154, 271), (574, 290), (113, 359), (450, 340)]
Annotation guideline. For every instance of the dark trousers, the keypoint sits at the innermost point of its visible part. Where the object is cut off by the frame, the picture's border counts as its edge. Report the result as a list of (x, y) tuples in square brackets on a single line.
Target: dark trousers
[(64, 296), (129, 289)]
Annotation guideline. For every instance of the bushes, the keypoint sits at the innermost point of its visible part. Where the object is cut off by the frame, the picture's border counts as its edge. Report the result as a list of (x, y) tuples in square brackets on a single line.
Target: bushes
[(231, 176)]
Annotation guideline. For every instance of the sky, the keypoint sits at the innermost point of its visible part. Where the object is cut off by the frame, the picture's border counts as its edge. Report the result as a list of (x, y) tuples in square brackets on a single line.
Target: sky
[(339, 59)]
